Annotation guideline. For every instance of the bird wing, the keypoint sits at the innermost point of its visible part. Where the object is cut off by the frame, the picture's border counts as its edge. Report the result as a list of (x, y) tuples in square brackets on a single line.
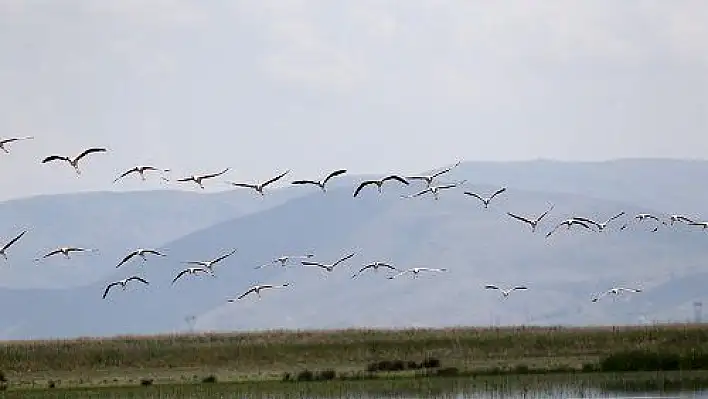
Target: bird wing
[(56, 251), (417, 177), (520, 287), (418, 194), (520, 218), (446, 170), (108, 288), (344, 259), (582, 223), (154, 252), (136, 278), (307, 263), (305, 182), (14, 240), (399, 274), (615, 217), (388, 266), (182, 273), (395, 177), (55, 158), (491, 287), (209, 176), (334, 174), (276, 178), (252, 289), (89, 151), (13, 139), (361, 270), (582, 219), (130, 255), (362, 185), (501, 190), (222, 257), (474, 195), (543, 215), (126, 173), (246, 185), (555, 228), (451, 185)]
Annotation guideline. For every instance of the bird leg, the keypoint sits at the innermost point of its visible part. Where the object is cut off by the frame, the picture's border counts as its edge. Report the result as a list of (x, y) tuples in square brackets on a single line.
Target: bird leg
[(2, 147), (76, 168)]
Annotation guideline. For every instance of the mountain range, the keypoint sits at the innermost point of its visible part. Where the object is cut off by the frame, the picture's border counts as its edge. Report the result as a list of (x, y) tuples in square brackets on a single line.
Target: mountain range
[(62, 298)]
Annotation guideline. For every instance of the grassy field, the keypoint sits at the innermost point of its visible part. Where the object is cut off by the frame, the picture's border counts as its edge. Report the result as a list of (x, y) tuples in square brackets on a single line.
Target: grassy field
[(267, 355)]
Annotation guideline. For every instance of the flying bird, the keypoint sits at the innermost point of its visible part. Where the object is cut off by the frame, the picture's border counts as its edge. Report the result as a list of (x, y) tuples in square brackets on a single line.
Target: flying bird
[(487, 200), (531, 222), (379, 183), (616, 291), (328, 267), (375, 267), (435, 190), (643, 216), (193, 271), (415, 272), (321, 183), (210, 263), (66, 251), (3, 250), (141, 253), (283, 260), (73, 162), (257, 289), (600, 226), (428, 179), (679, 218), (141, 171), (123, 283), (4, 142), (506, 292), (199, 179), (259, 187), (704, 225), (568, 222)]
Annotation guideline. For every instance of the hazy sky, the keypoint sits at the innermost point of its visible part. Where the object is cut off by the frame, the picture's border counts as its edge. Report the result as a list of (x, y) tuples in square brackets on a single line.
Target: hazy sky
[(407, 85)]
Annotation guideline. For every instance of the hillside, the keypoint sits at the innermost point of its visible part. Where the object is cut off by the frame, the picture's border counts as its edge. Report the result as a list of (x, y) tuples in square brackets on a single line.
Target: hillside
[(114, 223)]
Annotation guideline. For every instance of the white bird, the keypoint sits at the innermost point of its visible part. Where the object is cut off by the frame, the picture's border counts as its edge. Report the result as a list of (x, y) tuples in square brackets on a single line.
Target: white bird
[(415, 271), (321, 184), (198, 179), (123, 283), (139, 170), (379, 183), (616, 291), (435, 190), (73, 162), (600, 226), (643, 216), (257, 289), (568, 222), (210, 263), (531, 222), (679, 218), (375, 267), (428, 179), (141, 253), (65, 251), (486, 201), (328, 267), (193, 271), (283, 260), (506, 292), (259, 187), (3, 250), (4, 142)]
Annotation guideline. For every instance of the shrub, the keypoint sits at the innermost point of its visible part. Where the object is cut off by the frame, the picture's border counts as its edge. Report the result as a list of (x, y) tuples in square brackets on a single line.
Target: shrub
[(210, 379), (640, 360), (430, 363), (305, 375), (326, 375), (146, 382)]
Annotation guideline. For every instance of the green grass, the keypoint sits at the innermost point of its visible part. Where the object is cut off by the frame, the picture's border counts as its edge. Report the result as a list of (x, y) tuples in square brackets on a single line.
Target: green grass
[(267, 355)]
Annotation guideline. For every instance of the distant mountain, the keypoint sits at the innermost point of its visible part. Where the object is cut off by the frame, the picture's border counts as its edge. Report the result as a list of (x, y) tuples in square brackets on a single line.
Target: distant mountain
[(478, 246), (114, 223)]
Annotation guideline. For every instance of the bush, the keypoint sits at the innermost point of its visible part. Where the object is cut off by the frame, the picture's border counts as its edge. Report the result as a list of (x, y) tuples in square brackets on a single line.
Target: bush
[(210, 379), (287, 377), (640, 360), (326, 375), (430, 363), (146, 382), (448, 372), (305, 375)]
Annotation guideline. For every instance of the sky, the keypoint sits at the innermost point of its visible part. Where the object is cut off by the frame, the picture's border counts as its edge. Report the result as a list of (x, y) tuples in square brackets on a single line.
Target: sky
[(371, 86)]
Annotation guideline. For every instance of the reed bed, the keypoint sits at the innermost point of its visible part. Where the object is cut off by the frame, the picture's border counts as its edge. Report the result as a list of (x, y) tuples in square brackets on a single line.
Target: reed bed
[(274, 352)]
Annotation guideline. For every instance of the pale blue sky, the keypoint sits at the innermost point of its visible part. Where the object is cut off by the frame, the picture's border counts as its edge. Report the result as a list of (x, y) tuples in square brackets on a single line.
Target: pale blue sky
[(261, 86)]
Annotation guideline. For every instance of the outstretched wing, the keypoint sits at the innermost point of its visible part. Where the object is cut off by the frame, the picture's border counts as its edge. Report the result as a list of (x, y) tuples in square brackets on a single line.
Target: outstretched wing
[(182, 273), (399, 274), (586, 220), (276, 178), (362, 185), (14, 240), (130, 255), (252, 289), (154, 252), (519, 287), (479, 197), (215, 174), (307, 263), (395, 177), (126, 173), (89, 151), (361, 270), (491, 287), (136, 278), (55, 158), (305, 182), (344, 259), (334, 174), (615, 217), (520, 218), (108, 288), (501, 190), (246, 185), (222, 257), (543, 215), (446, 170)]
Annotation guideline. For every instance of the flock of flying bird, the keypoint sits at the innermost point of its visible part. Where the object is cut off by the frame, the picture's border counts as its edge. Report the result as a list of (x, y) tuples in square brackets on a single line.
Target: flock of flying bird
[(430, 187)]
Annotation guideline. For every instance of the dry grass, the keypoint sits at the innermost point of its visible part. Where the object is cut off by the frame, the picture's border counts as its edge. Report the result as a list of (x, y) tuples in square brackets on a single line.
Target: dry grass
[(271, 352)]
